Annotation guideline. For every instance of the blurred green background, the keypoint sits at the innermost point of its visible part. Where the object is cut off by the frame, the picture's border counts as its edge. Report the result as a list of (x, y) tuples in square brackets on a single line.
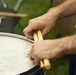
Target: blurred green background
[(36, 8)]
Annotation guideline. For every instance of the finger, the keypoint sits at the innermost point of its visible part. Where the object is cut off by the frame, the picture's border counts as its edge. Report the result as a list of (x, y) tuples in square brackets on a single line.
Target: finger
[(31, 53), (27, 33), (44, 32), (36, 58), (31, 57), (36, 61)]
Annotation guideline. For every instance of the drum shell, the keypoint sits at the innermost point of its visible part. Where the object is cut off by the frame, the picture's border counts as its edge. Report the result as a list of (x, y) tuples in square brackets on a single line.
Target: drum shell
[(33, 71)]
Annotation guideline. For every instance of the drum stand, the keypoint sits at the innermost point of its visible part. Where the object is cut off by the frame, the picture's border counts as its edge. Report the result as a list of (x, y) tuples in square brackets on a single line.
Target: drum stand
[(7, 24), (3, 3)]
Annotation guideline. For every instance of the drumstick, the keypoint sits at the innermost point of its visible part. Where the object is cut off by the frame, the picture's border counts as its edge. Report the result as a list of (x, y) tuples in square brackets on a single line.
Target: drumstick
[(46, 61), (35, 39), (12, 14)]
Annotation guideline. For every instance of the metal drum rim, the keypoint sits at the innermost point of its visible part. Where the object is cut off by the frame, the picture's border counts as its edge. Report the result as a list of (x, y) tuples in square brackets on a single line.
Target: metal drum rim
[(15, 36)]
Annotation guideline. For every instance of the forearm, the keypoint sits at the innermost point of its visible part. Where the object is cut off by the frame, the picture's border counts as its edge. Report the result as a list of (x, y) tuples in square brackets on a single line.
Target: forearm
[(71, 45), (68, 8), (65, 9)]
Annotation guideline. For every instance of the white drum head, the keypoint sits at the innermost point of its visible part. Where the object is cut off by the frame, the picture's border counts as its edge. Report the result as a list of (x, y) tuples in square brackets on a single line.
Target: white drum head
[(14, 50)]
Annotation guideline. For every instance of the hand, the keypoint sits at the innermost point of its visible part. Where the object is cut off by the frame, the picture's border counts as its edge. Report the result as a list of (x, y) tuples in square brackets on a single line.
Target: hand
[(43, 23), (48, 49)]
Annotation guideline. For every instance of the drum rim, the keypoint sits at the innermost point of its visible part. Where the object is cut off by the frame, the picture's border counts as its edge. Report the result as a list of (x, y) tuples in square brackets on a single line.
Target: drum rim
[(16, 36)]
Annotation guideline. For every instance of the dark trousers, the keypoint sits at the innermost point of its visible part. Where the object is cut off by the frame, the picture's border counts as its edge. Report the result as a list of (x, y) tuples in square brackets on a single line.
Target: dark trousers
[(72, 64)]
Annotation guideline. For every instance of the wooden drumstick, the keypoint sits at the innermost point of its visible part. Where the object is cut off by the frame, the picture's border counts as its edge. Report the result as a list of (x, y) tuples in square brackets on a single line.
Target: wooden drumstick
[(12, 14), (46, 61), (35, 39)]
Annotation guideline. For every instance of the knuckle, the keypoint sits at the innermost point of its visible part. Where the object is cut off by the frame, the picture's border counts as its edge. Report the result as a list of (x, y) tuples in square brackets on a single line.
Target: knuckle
[(37, 42), (24, 30), (34, 49), (36, 55), (30, 21), (36, 62), (32, 46), (27, 36)]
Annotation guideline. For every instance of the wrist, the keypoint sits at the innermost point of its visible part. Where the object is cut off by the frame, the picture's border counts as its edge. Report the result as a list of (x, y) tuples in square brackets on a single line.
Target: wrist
[(71, 45), (55, 12)]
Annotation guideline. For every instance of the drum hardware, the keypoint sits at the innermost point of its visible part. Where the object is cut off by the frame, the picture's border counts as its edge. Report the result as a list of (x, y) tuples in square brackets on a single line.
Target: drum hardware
[(17, 6), (45, 63), (29, 57), (19, 2), (3, 3), (1, 19), (10, 21)]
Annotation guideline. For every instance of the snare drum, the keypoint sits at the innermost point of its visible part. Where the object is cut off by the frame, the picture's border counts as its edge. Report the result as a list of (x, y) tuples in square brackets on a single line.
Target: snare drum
[(14, 59)]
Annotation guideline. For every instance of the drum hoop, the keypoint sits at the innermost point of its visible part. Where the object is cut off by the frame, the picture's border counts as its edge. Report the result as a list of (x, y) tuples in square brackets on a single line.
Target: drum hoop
[(16, 36)]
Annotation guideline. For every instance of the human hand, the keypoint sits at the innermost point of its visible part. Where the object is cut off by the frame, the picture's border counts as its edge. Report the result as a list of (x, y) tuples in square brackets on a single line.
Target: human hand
[(48, 49), (43, 23)]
